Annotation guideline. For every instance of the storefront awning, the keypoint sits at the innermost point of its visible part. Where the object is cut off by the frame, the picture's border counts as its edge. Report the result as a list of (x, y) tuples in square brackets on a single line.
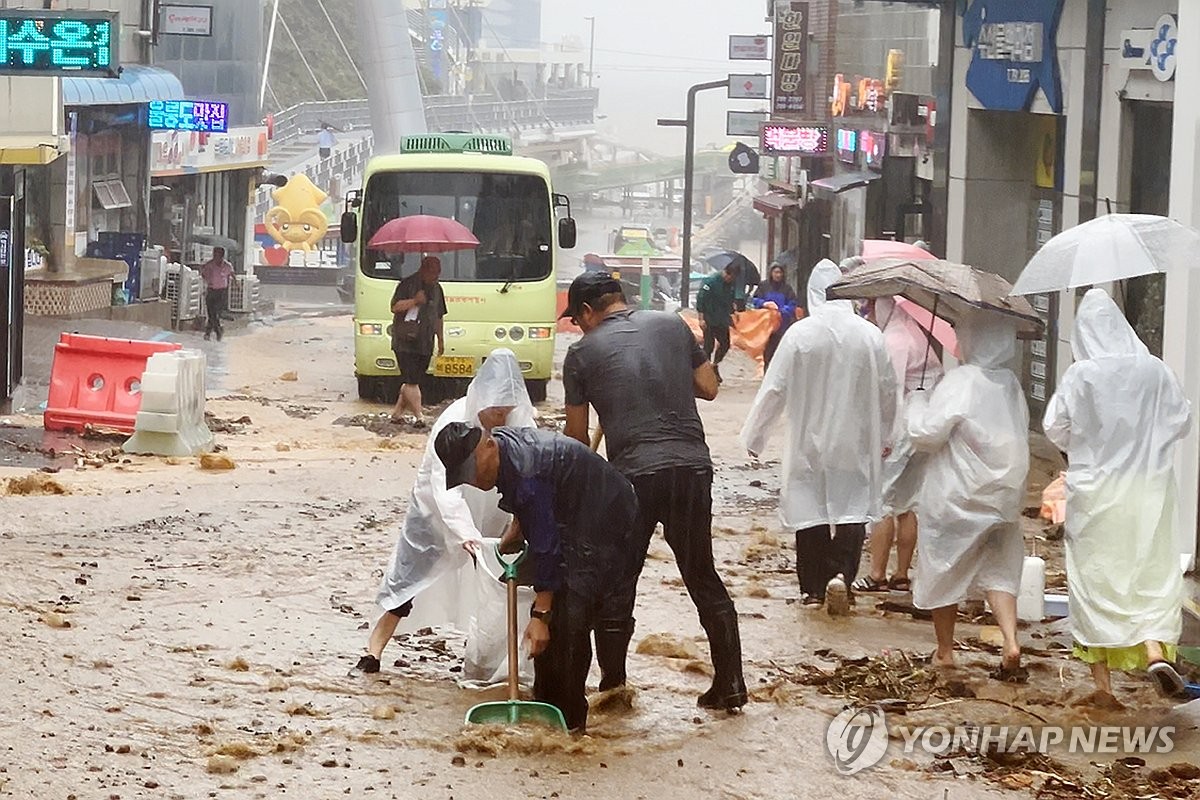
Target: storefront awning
[(28, 149), (774, 204), (847, 180), (138, 84)]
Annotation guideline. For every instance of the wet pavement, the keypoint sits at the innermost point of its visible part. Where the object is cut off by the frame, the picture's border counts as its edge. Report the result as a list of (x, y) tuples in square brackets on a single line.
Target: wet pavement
[(172, 631)]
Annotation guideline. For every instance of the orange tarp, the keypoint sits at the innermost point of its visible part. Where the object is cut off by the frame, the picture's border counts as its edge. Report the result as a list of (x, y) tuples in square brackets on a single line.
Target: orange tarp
[(749, 333)]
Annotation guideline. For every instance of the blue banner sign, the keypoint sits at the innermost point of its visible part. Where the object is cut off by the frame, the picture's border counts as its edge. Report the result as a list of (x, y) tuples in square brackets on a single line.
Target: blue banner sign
[(188, 115), (59, 42), (1013, 52)]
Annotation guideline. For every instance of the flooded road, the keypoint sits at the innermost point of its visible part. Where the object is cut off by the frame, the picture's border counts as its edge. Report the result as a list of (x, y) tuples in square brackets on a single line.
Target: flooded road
[(181, 633)]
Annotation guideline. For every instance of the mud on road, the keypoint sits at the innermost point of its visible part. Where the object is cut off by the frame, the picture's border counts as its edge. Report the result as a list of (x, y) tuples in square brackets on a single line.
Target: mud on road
[(176, 632)]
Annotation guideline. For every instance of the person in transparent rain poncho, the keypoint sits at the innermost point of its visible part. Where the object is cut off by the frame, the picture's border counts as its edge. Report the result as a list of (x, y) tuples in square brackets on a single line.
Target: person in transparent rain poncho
[(833, 383), (1119, 414), (917, 367), (443, 528), (975, 429)]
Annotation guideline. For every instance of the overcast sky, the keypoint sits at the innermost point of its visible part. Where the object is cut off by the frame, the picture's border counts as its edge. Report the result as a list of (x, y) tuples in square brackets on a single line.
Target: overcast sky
[(648, 52)]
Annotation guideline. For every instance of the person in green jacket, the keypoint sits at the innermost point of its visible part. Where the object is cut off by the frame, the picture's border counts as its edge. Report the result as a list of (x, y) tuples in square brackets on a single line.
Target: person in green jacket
[(714, 304)]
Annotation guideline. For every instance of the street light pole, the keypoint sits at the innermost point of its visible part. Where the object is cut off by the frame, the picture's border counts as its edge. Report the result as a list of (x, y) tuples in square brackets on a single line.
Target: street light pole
[(591, 52), (689, 179)]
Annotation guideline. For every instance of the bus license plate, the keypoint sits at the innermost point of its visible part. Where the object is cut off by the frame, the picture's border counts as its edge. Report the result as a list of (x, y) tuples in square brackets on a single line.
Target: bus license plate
[(454, 367)]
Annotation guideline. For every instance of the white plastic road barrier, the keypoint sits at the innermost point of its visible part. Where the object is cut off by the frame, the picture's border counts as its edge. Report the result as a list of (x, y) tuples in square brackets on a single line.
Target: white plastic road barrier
[(171, 419)]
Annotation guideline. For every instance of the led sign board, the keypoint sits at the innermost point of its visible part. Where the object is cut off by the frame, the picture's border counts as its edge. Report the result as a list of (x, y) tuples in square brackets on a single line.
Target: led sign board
[(847, 145), (188, 115), (781, 139), (59, 43)]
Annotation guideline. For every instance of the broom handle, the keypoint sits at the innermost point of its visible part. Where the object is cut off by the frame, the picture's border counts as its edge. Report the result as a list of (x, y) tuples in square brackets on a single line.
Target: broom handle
[(597, 436), (513, 674)]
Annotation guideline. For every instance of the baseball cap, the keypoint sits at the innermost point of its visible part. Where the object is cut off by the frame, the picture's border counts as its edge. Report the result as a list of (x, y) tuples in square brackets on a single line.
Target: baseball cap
[(455, 446), (587, 288)]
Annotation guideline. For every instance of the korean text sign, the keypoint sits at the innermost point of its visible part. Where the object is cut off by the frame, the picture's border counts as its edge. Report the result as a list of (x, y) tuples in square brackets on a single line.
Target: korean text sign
[(188, 115), (58, 42), (791, 57)]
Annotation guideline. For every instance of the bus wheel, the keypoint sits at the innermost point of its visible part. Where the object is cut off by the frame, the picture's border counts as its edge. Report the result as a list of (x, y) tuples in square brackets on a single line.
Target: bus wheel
[(537, 390), (373, 389)]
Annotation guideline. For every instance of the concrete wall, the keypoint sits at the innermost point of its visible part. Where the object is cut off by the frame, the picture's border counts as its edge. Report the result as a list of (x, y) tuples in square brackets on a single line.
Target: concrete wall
[(227, 66)]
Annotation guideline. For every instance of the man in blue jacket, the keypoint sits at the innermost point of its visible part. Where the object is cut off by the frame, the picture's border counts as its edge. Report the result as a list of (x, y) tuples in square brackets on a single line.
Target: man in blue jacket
[(578, 516)]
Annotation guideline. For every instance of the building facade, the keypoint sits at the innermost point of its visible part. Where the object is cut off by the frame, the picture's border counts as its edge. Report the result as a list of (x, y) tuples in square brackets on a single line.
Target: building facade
[(228, 65), (1081, 108)]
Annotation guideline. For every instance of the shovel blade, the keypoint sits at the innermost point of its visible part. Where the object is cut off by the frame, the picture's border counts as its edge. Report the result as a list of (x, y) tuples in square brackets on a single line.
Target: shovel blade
[(516, 712)]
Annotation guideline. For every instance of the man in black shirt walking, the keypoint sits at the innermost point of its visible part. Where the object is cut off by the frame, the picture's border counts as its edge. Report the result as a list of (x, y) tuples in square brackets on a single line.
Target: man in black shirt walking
[(642, 371)]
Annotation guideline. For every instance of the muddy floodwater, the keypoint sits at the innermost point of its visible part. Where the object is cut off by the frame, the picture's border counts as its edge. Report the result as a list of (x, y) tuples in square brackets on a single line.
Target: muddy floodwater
[(170, 631)]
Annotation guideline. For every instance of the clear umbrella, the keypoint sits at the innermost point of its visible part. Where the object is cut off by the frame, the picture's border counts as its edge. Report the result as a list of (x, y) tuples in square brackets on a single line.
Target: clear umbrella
[(1109, 248)]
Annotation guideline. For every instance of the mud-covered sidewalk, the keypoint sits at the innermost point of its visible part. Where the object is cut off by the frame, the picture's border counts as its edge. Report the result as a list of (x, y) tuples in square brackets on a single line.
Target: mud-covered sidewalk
[(180, 632)]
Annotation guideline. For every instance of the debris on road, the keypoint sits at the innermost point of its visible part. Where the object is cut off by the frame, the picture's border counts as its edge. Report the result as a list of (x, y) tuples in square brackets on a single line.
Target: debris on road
[(35, 484), (668, 645), (216, 461)]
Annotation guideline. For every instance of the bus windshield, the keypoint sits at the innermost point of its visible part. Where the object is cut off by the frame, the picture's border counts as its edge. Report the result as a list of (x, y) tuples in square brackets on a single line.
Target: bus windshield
[(509, 214)]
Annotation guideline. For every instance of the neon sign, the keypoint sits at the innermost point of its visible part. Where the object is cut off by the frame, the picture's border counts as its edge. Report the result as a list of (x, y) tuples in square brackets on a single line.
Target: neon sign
[(188, 115), (795, 140), (59, 42), (847, 145)]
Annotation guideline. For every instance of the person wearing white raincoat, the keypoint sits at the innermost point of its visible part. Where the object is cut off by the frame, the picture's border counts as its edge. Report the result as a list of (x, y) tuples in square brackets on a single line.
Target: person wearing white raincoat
[(975, 428), (1119, 414), (833, 376), (443, 527), (917, 367)]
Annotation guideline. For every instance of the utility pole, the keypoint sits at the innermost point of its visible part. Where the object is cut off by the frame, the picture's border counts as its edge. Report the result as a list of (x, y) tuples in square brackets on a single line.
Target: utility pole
[(592, 52), (689, 179)]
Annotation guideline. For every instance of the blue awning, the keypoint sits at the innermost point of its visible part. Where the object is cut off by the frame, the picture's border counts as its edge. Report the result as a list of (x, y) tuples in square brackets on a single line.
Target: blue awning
[(138, 84)]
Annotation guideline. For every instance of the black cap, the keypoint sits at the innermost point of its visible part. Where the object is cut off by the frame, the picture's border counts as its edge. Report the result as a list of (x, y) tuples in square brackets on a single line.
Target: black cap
[(455, 446), (587, 288)]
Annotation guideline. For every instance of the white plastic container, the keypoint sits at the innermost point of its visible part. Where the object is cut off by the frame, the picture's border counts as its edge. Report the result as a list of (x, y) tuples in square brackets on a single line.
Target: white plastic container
[(1031, 601)]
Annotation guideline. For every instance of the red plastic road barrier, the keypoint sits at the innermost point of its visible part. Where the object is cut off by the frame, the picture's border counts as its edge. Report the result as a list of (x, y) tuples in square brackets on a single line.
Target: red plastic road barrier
[(97, 381)]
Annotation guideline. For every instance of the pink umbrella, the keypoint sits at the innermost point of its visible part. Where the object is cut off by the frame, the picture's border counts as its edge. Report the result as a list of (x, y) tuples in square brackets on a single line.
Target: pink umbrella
[(423, 233), (886, 248), (940, 328)]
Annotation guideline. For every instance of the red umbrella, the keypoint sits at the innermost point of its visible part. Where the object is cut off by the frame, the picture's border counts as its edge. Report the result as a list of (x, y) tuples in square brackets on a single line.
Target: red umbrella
[(423, 233)]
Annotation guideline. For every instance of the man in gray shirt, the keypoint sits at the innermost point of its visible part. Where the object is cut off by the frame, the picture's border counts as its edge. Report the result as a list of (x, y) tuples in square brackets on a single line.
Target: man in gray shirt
[(642, 371)]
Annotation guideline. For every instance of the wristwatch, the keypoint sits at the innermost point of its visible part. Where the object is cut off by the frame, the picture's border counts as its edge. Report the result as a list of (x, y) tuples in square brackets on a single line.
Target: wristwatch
[(544, 616)]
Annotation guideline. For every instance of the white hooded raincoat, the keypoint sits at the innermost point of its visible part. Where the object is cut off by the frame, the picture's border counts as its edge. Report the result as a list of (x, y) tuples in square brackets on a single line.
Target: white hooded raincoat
[(429, 559), (833, 377), (913, 360), (975, 428), (1119, 414)]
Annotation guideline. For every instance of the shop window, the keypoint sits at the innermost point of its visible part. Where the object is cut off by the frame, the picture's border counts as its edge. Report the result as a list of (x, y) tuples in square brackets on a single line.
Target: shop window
[(111, 194)]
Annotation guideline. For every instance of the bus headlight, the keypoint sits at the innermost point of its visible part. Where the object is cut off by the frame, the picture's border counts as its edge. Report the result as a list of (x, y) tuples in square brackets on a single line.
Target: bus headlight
[(516, 333), (541, 333), (501, 333), (370, 329)]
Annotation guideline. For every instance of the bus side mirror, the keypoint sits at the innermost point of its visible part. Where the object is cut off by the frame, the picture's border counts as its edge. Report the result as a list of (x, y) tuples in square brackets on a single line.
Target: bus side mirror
[(349, 227), (567, 233)]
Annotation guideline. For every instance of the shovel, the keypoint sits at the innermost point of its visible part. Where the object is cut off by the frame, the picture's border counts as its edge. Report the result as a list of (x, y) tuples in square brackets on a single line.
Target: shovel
[(514, 711)]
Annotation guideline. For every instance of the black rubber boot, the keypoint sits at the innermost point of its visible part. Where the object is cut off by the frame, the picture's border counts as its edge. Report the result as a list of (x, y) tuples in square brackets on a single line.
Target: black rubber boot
[(728, 691), (612, 644)]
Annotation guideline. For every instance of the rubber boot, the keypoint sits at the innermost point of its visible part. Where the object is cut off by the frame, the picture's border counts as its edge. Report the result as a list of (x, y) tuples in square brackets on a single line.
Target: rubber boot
[(728, 691), (612, 644)]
